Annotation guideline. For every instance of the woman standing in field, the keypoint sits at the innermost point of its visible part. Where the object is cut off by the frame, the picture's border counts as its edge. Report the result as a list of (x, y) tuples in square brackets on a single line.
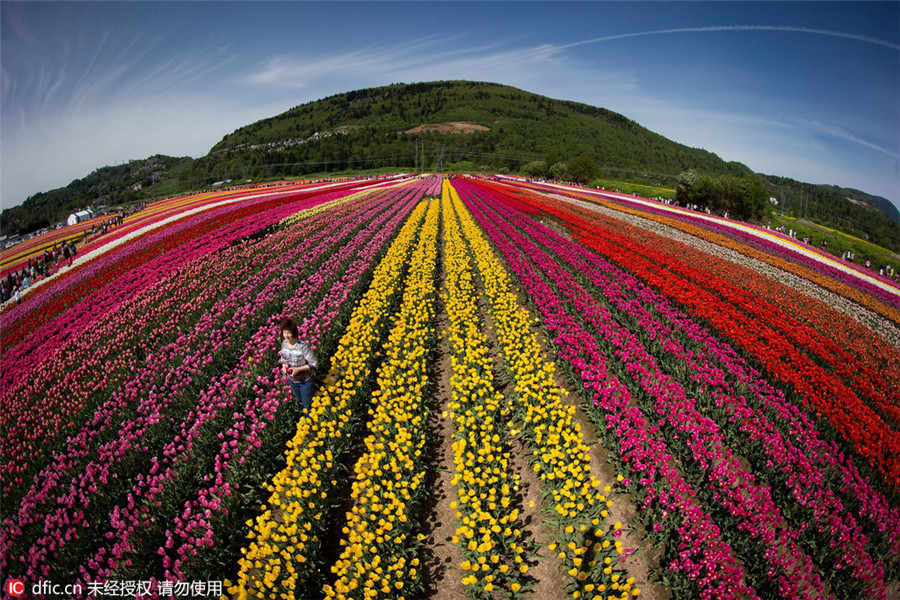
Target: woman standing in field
[(298, 363)]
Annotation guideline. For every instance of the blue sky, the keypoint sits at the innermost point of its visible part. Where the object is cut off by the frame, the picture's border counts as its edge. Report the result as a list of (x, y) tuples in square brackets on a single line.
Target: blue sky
[(808, 90)]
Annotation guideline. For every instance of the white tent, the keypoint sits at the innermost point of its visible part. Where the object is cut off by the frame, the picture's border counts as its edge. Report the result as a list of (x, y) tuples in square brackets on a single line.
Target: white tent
[(79, 217)]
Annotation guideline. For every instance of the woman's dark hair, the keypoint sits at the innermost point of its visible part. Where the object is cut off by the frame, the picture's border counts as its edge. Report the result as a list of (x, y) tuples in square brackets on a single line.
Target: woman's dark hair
[(287, 324)]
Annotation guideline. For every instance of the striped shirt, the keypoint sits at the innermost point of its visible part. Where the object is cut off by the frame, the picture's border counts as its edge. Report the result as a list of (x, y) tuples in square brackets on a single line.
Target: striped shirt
[(297, 355)]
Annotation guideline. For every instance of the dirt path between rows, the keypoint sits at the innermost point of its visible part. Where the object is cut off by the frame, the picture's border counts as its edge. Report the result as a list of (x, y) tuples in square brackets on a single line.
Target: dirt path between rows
[(442, 557)]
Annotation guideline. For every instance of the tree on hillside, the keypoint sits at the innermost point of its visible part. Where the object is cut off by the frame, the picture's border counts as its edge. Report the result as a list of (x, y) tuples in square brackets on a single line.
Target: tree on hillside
[(753, 198), (684, 190), (705, 190), (696, 188), (559, 171), (535, 168), (727, 196), (742, 197), (582, 168)]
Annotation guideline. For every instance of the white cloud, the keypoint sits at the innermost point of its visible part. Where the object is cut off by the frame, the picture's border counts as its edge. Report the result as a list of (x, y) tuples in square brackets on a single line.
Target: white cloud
[(843, 134), (117, 116), (736, 28)]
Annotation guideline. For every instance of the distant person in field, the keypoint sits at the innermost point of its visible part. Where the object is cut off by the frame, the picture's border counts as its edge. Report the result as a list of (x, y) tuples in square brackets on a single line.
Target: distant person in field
[(298, 363)]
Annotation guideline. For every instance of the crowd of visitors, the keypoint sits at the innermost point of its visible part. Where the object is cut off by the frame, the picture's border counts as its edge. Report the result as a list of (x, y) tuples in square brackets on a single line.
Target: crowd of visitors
[(15, 284)]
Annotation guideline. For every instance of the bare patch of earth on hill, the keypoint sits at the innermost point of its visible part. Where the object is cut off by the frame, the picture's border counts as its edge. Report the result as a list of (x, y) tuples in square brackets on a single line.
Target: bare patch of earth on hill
[(450, 127)]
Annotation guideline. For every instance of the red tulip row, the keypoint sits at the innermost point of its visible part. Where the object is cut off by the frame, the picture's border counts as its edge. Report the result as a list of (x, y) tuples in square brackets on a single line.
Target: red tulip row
[(877, 384), (822, 392), (778, 458)]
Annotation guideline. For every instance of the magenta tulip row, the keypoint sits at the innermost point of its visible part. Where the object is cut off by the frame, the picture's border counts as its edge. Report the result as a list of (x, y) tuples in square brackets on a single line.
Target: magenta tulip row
[(85, 369), (805, 478), (85, 445), (341, 280), (206, 339), (17, 360), (98, 359), (84, 378), (744, 498), (703, 555), (804, 462)]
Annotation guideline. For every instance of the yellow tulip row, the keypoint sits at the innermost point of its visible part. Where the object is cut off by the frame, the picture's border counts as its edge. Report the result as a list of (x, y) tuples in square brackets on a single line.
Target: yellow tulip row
[(311, 212), (489, 535), (560, 456), (379, 559), (284, 554)]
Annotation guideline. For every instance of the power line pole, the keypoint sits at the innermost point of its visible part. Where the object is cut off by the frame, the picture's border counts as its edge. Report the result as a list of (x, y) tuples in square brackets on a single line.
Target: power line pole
[(440, 161)]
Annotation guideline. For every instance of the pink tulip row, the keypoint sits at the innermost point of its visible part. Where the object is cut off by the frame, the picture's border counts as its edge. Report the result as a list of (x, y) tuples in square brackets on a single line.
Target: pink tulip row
[(819, 455), (435, 188), (703, 556), (17, 360), (673, 405), (207, 337), (98, 359), (805, 478), (344, 279), (245, 433), (741, 495), (84, 370)]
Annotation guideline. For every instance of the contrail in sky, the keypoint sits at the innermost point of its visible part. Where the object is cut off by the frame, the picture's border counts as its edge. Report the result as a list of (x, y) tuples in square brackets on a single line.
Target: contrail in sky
[(852, 36)]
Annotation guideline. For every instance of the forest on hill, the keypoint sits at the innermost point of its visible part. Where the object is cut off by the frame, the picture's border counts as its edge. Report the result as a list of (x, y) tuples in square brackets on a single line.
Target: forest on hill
[(388, 126), (445, 126)]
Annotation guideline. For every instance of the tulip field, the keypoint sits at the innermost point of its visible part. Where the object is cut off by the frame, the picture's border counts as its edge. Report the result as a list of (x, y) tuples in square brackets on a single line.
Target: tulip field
[(524, 390)]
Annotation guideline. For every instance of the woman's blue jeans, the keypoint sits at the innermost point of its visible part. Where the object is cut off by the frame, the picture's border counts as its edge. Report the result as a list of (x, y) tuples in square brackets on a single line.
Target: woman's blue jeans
[(303, 392)]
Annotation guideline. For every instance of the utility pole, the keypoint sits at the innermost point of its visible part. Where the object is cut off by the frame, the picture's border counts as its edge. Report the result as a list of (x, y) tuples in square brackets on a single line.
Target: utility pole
[(439, 167)]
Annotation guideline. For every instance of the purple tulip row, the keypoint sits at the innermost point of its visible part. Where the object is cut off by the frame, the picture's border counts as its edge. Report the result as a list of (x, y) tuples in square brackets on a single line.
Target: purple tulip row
[(703, 556), (805, 477), (202, 343), (192, 530)]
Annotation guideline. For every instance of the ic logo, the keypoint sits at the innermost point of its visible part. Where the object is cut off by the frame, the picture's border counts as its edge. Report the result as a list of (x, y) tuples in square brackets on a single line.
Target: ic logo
[(15, 587)]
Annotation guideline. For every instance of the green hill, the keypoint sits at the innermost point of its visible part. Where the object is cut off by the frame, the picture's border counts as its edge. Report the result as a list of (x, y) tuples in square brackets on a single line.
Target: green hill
[(121, 184), (456, 124), (440, 126)]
